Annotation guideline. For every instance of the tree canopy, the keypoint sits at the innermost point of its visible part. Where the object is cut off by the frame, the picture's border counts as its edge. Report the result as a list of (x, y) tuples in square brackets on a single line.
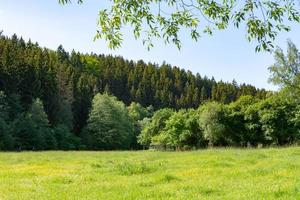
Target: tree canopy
[(109, 123), (165, 19), (285, 72)]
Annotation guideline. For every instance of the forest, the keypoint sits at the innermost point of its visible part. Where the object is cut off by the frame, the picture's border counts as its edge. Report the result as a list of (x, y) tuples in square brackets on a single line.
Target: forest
[(72, 101)]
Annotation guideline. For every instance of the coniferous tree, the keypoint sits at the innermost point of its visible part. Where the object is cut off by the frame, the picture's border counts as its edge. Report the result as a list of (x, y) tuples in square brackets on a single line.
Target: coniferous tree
[(6, 140)]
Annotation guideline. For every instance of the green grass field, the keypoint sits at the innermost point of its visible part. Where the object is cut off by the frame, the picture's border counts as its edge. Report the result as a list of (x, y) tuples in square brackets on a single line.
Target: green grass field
[(205, 174)]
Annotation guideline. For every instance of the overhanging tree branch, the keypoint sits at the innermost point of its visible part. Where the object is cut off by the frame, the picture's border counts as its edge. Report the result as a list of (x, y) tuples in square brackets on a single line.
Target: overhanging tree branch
[(263, 19)]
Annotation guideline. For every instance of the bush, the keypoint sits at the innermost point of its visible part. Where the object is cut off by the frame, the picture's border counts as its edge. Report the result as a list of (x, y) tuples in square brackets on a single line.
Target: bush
[(276, 117), (181, 131), (137, 113), (65, 139), (154, 126)]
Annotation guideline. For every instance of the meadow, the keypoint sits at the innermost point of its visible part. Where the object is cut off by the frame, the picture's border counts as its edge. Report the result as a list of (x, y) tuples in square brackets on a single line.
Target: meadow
[(205, 174)]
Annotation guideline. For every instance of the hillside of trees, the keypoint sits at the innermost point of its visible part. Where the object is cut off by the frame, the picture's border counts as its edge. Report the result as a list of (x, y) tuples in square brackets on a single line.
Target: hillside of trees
[(59, 100)]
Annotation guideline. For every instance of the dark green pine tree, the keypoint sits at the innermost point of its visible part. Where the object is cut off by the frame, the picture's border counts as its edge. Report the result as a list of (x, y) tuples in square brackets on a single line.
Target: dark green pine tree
[(203, 95), (6, 139)]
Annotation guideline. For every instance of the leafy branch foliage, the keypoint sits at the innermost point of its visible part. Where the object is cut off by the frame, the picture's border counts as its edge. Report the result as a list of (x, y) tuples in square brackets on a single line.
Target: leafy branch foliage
[(165, 19)]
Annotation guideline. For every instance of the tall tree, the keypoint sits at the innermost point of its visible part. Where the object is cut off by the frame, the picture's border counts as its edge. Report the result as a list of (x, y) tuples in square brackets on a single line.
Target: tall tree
[(109, 123), (6, 140), (31, 129), (286, 70), (212, 122)]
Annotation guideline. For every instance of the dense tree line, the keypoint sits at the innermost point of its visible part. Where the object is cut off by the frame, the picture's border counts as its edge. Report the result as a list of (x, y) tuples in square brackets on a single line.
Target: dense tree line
[(30, 129), (246, 122), (249, 121), (60, 100)]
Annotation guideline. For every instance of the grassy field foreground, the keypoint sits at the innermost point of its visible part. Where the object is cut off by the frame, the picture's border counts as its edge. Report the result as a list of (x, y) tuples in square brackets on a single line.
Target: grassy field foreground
[(206, 174)]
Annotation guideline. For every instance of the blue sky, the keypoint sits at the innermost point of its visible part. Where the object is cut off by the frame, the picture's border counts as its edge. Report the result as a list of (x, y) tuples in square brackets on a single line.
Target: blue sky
[(226, 55)]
